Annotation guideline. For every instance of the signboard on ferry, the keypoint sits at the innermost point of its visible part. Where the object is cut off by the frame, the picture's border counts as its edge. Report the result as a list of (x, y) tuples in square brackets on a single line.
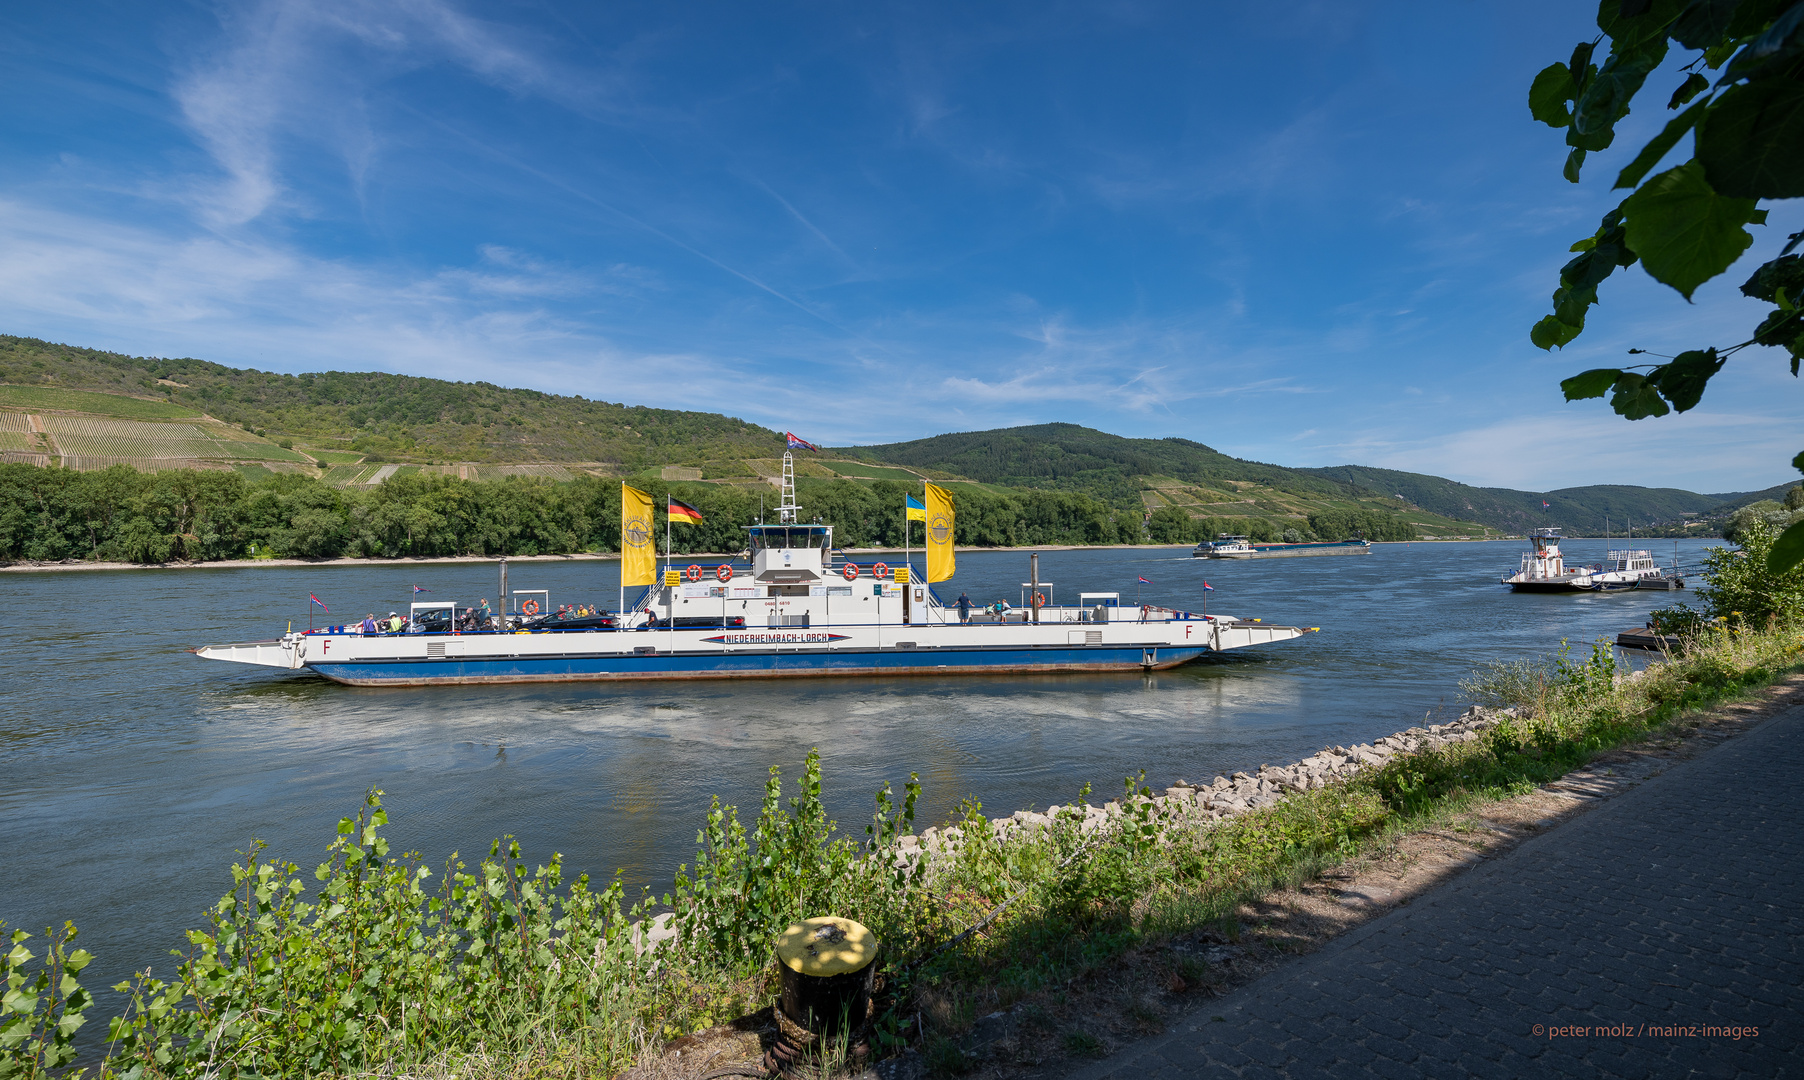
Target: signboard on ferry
[(777, 637)]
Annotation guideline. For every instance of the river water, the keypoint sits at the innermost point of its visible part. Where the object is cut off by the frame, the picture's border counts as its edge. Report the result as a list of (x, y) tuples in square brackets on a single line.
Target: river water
[(131, 772)]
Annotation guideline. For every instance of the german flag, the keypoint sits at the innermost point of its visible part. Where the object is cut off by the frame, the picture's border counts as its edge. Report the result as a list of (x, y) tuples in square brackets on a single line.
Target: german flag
[(682, 511)]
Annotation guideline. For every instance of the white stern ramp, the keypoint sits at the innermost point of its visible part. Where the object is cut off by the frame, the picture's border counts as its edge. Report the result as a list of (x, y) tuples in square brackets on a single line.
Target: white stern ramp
[(276, 654)]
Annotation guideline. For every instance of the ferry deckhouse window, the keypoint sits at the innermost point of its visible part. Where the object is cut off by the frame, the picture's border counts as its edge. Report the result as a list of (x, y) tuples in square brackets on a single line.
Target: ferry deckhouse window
[(777, 537)]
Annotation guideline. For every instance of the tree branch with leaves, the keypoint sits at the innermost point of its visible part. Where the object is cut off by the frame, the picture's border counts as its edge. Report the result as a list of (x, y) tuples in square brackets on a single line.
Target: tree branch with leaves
[(1688, 224)]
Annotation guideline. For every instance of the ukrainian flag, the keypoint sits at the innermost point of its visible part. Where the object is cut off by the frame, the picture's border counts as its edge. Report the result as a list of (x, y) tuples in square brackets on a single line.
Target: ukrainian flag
[(917, 510)]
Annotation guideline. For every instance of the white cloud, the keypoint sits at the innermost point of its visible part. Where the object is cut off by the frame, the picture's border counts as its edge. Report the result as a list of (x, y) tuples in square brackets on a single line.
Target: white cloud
[(299, 73), (1698, 451)]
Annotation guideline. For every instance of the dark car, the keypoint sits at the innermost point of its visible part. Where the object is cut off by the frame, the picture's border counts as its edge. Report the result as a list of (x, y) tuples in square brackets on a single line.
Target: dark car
[(438, 621), (564, 620)]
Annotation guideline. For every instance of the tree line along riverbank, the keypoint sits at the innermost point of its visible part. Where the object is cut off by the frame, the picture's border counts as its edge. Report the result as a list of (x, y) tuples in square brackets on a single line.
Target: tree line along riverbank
[(380, 962), (121, 515)]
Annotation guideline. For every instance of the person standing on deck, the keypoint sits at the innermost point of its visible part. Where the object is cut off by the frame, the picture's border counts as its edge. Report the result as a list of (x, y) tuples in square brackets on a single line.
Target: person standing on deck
[(964, 607)]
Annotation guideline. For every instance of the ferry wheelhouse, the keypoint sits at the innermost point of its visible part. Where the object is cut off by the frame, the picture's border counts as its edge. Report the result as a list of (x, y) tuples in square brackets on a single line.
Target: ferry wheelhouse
[(792, 607)]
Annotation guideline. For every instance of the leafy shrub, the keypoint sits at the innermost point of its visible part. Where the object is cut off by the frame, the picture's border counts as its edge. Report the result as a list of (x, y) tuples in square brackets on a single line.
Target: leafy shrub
[(1740, 588)]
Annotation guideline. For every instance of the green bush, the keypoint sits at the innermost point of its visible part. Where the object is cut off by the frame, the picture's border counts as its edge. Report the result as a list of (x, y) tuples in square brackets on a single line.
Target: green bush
[(1740, 589)]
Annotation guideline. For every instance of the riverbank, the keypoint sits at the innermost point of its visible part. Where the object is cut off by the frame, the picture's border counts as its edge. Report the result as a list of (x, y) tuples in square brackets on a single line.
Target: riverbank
[(1094, 893), (29, 566)]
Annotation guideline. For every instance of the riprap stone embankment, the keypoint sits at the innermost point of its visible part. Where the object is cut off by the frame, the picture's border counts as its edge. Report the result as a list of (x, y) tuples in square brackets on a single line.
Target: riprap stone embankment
[(1227, 796)]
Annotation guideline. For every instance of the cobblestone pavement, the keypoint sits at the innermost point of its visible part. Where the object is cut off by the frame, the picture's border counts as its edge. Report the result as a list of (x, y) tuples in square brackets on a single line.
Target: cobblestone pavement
[(1604, 947)]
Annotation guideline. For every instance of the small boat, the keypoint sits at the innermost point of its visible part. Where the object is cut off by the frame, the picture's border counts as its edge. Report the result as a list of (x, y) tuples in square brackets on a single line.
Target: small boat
[(795, 607), (1544, 568), (1227, 546)]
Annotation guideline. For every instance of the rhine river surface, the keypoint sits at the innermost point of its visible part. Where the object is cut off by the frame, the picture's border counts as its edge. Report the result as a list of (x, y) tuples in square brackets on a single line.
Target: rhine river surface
[(134, 771)]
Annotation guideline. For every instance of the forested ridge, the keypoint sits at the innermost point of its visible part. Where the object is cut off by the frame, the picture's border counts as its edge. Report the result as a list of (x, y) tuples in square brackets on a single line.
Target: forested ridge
[(401, 417), (1075, 458), (121, 514), (1586, 510), (125, 515)]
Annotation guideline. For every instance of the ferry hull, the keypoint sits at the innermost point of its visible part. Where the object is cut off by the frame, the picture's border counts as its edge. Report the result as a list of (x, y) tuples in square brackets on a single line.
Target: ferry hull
[(748, 665), (1548, 586)]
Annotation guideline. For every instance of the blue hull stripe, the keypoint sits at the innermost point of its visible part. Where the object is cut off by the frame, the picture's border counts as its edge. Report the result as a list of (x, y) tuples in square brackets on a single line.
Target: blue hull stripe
[(750, 665)]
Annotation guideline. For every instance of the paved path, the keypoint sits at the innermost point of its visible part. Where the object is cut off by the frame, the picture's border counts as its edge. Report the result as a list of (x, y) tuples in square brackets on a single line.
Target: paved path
[(1673, 907)]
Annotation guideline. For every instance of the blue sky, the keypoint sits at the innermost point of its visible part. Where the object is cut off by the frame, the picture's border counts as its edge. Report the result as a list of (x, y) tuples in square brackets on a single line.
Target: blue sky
[(1303, 233)]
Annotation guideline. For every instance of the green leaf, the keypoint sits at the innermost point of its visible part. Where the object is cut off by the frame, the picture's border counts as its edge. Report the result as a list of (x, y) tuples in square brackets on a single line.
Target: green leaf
[(1788, 550), (1605, 98), (1785, 272), (1752, 145), (1693, 85), (1684, 232), (1574, 162), (1579, 67), (1703, 23), (1658, 146), (1551, 333), (1753, 16), (1715, 55), (1548, 95), (1780, 328), (1631, 25), (1635, 398), (1596, 140), (1682, 380), (1590, 384), (1570, 305), (1781, 273), (1772, 53)]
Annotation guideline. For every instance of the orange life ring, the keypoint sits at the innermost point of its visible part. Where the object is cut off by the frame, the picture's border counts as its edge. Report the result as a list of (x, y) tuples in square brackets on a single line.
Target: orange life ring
[(694, 573), (850, 570), (530, 607), (880, 571), (1039, 599), (724, 572)]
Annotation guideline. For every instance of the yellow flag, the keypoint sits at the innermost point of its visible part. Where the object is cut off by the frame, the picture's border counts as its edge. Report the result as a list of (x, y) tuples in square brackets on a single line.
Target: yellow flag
[(638, 558), (940, 561)]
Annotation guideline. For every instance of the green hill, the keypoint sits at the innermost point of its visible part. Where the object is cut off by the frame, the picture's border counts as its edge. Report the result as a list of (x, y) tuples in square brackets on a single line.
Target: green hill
[(1167, 478), (378, 416), (1582, 510), (1073, 458), (88, 408)]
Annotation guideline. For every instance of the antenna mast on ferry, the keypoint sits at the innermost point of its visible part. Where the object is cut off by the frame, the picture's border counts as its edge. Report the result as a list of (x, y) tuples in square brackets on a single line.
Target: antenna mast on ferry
[(787, 512)]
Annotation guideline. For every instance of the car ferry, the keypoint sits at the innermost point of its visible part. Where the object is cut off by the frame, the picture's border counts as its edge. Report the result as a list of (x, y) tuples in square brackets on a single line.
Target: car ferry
[(794, 607), (1544, 569)]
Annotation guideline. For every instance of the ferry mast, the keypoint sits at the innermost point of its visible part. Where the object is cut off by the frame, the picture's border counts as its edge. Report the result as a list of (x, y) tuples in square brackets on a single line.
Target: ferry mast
[(786, 514)]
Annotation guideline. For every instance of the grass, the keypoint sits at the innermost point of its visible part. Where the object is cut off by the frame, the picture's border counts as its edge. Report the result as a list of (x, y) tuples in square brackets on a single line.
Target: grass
[(51, 397), (510, 971), (334, 457)]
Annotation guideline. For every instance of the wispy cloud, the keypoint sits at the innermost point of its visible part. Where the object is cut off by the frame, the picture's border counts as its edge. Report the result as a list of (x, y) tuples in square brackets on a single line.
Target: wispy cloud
[(290, 74), (1542, 453)]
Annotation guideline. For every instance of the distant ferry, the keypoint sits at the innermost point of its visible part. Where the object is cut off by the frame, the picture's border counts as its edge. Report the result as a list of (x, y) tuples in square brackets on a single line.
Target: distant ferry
[(1544, 569), (1226, 546), (794, 609)]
